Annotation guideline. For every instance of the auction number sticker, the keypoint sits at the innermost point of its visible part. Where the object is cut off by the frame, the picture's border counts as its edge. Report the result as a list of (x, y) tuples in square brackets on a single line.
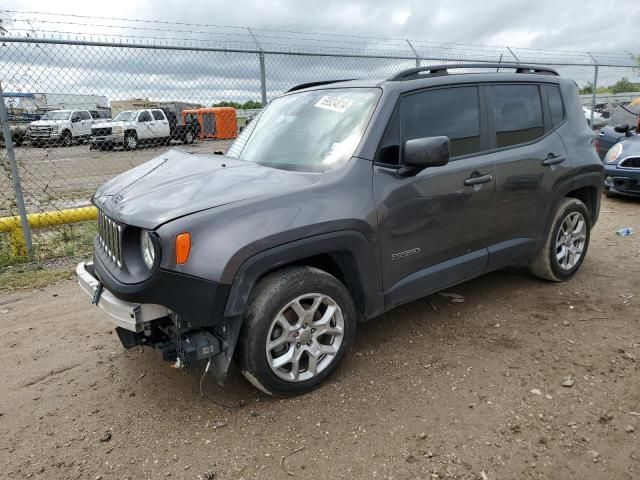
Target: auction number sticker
[(336, 104)]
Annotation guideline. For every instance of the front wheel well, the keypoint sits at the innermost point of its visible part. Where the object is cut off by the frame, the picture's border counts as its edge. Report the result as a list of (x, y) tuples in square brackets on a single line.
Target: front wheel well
[(342, 265), (589, 196)]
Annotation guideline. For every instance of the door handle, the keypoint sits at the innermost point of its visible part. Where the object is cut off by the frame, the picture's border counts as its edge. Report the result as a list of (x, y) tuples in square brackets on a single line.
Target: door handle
[(471, 181), (601, 134), (553, 160)]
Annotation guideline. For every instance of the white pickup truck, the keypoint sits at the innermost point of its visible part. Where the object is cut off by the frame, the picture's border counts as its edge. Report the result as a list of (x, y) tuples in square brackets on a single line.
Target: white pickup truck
[(132, 127), (61, 126)]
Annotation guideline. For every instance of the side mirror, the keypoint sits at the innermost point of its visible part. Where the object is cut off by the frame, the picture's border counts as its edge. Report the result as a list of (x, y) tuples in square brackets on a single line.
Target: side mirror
[(421, 153), (622, 128), (75, 119)]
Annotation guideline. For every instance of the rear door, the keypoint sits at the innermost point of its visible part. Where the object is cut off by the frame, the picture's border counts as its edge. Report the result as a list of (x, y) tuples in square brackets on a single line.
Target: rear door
[(434, 226), (160, 124), (530, 159)]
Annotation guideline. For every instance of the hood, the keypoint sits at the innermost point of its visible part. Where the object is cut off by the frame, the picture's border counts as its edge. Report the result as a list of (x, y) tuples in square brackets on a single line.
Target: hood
[(46, 123), (110, 124), (178, 183)]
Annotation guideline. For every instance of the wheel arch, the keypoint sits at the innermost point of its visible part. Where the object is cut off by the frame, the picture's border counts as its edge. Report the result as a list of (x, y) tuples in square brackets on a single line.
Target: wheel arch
[(346, 255)]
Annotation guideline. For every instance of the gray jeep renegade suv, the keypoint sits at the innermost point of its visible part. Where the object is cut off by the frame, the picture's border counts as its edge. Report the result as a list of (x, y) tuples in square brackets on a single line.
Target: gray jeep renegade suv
[(341, 201)]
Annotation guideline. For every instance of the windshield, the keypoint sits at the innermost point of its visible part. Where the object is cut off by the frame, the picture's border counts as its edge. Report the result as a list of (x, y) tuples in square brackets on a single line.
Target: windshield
[(57, 115), (310, 131), (126, 116)]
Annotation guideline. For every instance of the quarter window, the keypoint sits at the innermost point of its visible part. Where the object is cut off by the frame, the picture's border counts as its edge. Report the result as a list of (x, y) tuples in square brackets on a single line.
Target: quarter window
[(451, 112), (555, 104), (517, 114)]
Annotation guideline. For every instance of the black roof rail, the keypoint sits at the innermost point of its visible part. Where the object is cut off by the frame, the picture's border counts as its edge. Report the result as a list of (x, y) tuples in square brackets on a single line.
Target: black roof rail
[(437, 70), (315, 84)]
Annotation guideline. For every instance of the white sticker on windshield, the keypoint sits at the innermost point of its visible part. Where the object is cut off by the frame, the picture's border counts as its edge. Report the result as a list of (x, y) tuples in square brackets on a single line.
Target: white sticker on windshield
[(336, 104)]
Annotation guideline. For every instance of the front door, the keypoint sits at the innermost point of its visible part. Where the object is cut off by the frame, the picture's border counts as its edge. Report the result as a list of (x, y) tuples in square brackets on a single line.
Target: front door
[(144, 125), (435, 226)]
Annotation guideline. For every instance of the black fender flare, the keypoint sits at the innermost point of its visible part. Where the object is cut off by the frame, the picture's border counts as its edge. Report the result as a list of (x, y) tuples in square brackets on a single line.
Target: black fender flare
[(592, 178), (350, 241)]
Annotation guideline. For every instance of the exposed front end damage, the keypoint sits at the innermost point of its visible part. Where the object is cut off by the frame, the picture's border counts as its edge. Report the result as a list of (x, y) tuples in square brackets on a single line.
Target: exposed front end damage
[(187, 346)]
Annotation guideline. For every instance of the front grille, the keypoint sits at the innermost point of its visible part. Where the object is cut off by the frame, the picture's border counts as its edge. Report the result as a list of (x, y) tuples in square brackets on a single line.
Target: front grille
[(626, 184), (631, 162), (101, 132), (110, 237)]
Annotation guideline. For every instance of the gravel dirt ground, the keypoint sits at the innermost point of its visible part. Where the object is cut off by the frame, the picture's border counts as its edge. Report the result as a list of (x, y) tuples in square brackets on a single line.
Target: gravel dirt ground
[(523, 379)]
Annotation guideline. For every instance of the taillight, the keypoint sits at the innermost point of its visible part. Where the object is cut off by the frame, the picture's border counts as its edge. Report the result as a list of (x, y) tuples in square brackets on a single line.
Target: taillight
[(597, 144)]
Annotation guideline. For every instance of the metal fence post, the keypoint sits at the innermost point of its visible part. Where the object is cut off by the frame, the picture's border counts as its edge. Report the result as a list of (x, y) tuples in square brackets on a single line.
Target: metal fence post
[(595, 88), (414, 52), (263, 74), (15, 178), (513, 55)]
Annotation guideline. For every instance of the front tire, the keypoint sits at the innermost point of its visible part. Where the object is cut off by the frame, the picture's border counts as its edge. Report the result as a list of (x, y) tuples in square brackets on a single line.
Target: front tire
[(299, 324), (566, 244), (130, 141), (67, 139)]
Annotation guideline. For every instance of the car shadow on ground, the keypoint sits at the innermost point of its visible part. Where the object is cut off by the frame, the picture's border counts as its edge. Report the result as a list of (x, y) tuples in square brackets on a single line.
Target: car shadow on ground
[(429, 319)]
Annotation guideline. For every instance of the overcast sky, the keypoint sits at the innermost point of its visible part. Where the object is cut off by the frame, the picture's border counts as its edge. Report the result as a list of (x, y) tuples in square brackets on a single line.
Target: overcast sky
[(208, 77), (548, 24)]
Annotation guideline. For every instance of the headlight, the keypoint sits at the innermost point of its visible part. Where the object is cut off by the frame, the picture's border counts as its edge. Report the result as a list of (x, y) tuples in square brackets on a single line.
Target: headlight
[(118, 129), (147, 248), (613, 153), (55, 128)]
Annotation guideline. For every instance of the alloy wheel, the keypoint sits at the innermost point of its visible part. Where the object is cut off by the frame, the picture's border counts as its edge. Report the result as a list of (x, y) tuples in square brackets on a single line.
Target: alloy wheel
[(571, 240), (304, 337)]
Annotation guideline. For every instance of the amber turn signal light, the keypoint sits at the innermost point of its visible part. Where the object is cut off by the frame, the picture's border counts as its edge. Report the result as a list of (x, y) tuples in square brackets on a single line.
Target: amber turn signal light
[(183, 248)]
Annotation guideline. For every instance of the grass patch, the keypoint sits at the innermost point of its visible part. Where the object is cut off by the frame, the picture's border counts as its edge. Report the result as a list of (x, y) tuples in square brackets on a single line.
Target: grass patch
[(62, 241), (27, 276)]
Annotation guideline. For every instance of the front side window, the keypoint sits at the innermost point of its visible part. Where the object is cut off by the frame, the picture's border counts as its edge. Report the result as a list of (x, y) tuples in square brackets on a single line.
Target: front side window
[(144, 117), (450, 112), (517, 114), (311, 131)]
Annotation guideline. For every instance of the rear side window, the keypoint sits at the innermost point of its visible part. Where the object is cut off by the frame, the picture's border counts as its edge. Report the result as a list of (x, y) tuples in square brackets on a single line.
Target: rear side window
[(555, 104), (157, 114), (85, 115), (517, 114), (452, 112)]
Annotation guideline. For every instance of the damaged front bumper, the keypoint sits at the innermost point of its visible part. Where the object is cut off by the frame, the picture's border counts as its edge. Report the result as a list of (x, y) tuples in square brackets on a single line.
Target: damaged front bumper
[(127, 315), (146, 324)]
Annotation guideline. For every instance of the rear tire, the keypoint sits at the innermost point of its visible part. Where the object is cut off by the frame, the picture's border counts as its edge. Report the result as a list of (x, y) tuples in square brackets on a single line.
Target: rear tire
[(299, 324), (566, 244)]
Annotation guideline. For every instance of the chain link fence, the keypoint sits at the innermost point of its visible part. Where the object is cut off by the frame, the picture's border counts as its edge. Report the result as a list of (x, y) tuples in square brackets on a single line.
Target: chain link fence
[(193, 93)]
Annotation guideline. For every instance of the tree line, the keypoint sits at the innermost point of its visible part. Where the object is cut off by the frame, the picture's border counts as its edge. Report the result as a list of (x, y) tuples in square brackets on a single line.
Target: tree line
[(249, 105), (623, 85)]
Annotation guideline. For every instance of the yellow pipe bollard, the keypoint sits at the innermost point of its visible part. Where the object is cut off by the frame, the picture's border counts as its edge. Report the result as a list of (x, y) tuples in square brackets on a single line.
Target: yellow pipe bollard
[(12, 226)]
